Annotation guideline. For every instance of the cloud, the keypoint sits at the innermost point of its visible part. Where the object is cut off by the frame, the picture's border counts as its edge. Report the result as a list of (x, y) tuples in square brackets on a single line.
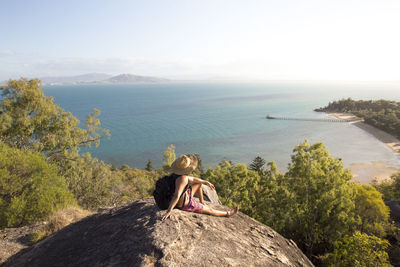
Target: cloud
[(5, 53)]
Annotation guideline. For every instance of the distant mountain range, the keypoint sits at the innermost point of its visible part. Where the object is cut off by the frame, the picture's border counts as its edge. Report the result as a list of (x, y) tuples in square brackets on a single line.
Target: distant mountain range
[(99, 78)]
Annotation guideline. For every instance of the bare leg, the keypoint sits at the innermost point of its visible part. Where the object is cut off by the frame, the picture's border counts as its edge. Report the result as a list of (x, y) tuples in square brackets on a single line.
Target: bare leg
[(219, 213), (197, 191)]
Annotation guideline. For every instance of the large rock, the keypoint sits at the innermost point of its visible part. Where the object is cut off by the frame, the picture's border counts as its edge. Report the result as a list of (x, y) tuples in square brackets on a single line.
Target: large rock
[(133, 235), (210, 195)]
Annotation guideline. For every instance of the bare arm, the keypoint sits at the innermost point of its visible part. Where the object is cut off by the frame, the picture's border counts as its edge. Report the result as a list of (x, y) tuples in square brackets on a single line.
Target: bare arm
[(180, 185), (196, 180)]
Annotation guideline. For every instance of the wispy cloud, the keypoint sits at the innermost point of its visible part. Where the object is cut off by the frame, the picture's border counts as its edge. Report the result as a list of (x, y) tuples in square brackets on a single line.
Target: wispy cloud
[(5, 53)]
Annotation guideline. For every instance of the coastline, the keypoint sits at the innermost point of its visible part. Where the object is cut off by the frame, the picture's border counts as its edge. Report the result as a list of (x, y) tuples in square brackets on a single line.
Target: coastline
[(366, 173)]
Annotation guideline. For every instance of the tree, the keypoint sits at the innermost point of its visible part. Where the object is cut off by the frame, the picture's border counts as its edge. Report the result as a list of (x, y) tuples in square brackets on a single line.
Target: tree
[(149, 166), (322, 199), (30, 120), (169, 157), (359, 249), (274, 199), (372, 214), (236, 186), (30, 188), (390, 189), (257, 165), (93, 182)]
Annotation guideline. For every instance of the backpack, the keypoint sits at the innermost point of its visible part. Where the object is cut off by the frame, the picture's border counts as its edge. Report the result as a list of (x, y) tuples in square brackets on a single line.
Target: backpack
[(164, 191)]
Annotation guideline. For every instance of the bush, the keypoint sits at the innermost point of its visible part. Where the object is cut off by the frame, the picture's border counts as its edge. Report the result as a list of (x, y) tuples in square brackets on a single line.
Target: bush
[(30, 188), (359, 250)]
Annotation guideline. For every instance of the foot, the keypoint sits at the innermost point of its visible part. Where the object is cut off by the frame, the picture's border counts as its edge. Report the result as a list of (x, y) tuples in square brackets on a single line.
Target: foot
[(232, 212)]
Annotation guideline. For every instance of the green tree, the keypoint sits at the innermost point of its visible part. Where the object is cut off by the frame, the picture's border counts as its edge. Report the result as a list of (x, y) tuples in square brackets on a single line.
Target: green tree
[(93, 182), (257, 165), (30, 120), (359, 249), (390, 189), (371, 212), (30, 188), (236, 186), (140, 183), (274, 199), (322, 199), (169, 157), (149, 166)]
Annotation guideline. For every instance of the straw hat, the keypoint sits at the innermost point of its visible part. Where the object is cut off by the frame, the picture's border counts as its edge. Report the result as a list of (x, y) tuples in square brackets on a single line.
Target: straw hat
[(185, 164)]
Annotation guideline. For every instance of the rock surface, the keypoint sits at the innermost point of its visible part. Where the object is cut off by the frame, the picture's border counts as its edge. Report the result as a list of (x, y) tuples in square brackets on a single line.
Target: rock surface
[(13, 240), (133, 235), (210, 195)]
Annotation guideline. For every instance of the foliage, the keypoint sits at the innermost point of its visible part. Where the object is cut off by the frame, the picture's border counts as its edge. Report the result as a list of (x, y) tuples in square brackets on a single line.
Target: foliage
[(30, 188), (390, 189), (371, 212), (382, 114), (149, 166), (274, 199), (321, 201), (93, 182), (30, 120), (316, 192), (168, 158), (359, 249), (257, 165), (140, 183), (236, 185)]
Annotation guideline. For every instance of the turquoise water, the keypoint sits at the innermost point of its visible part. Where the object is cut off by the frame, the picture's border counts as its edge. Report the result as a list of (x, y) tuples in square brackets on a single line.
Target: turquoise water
[(223, 120)]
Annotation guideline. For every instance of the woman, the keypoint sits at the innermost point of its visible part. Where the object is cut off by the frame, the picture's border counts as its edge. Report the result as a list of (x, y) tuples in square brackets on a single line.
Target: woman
[(183, 197)]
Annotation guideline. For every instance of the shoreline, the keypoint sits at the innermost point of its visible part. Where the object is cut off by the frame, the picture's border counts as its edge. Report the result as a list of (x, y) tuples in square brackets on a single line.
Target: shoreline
[(366, 173)]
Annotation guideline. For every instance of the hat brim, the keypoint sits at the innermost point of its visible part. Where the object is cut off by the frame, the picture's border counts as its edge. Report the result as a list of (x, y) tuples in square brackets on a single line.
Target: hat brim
[(193, 165)]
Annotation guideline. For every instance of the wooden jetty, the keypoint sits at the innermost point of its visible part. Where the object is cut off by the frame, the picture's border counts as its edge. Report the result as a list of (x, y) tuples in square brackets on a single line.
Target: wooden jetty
[(307, 119)]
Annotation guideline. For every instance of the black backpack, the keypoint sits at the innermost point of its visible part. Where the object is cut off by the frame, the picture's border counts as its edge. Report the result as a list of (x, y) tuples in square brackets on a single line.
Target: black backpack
[(164, 191)]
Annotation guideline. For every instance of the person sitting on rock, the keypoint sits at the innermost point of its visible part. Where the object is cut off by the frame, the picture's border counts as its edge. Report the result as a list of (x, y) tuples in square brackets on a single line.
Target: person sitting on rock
[(187, 186)]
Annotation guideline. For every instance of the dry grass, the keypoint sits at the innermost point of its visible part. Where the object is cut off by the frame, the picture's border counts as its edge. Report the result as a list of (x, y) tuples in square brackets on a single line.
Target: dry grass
[(59, 220)]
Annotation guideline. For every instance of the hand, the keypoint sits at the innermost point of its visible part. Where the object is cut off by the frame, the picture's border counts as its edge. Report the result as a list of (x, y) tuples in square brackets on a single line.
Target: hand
[(210, 185), (166, 215)]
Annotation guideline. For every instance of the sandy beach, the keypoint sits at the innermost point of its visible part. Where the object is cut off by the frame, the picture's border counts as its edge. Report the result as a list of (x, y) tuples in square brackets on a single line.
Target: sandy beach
[(379, 170)]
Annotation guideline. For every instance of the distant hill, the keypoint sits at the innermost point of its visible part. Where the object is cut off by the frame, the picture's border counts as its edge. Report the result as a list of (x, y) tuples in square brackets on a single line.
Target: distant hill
[(98, 78), (131, 78)]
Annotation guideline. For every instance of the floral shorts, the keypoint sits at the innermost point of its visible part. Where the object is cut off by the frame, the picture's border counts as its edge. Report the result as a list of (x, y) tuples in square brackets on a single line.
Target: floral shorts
[(193, 205)]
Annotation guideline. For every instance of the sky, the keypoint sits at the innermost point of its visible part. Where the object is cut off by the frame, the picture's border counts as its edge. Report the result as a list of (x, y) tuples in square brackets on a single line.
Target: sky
[(208, 39)]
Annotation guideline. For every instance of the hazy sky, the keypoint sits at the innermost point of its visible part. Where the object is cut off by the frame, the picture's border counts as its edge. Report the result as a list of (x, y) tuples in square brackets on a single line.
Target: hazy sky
[(280, 39)]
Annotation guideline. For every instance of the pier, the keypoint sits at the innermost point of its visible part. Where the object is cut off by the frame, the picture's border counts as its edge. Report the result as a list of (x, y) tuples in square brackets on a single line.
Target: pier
[(307, 119)]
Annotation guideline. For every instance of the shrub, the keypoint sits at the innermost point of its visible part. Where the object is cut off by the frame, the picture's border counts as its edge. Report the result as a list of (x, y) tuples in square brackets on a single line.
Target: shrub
[(30, 188), (359, 250)]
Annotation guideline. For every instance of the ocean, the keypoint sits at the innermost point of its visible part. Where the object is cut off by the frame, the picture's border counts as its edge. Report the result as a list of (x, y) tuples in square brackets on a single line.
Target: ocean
[(223, 121)]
